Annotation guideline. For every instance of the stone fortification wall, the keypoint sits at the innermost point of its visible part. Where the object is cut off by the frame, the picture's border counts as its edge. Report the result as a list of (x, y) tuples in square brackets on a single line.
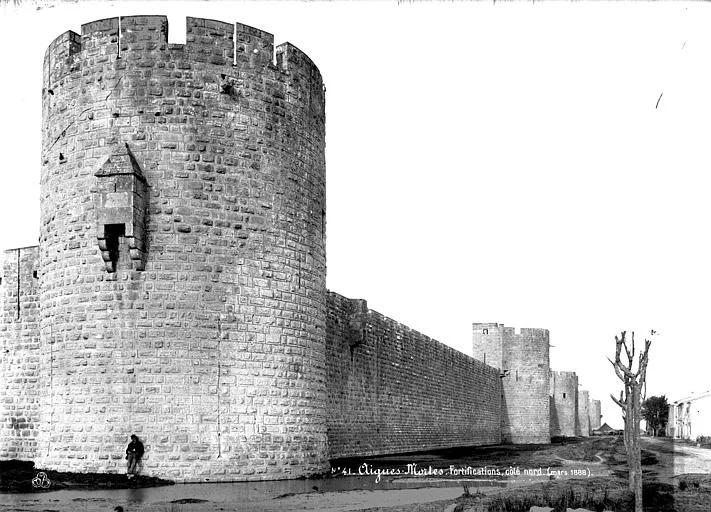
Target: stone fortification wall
[(394, 390), (525, 370), (488, 343), (526, 405), (595, 414), (19, 353), (183, 252), (583, 413), (564, 403)]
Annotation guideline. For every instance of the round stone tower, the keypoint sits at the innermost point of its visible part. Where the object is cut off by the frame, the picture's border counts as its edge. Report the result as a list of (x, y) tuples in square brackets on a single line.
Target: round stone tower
[(182, 252)]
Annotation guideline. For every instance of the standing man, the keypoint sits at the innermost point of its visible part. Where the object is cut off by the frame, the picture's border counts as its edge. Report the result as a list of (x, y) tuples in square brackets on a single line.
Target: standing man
[(134, 452)]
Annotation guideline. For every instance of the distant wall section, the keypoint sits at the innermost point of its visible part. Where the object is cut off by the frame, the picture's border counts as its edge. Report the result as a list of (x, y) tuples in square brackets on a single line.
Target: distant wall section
[(19, 353), (564, 403), (394, 390), (584, 413), (595, 414)]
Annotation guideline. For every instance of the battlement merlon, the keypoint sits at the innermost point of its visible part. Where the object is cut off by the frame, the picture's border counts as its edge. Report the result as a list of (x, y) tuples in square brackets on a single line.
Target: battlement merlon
[(487, 325), (232, 45), (526, 331), (359, 311), (564, 374), (33, 249)]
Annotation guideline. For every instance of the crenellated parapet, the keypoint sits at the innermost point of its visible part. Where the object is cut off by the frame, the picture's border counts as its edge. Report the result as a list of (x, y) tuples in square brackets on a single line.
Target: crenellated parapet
[(391, 389), (234, 46)]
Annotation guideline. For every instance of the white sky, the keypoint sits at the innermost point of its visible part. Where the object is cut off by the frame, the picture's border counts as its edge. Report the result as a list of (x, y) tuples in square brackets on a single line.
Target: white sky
[(486, 162)]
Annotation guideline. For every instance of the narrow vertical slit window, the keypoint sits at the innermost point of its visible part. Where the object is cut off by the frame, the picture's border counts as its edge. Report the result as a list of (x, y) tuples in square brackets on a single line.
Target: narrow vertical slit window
[(234, 44), (18, 284), (118, 40)]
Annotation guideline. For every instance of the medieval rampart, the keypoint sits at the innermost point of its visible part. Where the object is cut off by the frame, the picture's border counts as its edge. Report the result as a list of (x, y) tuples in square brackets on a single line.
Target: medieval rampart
[(394, 390)]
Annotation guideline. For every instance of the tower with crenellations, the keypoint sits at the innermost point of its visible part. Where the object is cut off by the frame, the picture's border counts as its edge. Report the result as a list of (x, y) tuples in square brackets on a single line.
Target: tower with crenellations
[(522, 357), (182, 251)]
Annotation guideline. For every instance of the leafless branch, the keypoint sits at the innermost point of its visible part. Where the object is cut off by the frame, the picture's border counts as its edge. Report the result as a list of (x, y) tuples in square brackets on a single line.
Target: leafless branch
[(618, 402)]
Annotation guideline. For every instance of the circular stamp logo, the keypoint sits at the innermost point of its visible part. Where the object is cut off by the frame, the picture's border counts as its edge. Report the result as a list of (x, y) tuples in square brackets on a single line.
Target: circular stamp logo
[(40, 481)]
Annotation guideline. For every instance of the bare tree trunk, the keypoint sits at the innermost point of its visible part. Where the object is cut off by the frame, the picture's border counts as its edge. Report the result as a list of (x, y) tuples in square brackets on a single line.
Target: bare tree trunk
[(631, 404), (634, 453)]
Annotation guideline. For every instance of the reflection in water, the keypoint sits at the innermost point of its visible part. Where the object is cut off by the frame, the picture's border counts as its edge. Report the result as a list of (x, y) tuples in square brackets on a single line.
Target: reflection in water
[(138, 495), (340, 493), (316, 494)]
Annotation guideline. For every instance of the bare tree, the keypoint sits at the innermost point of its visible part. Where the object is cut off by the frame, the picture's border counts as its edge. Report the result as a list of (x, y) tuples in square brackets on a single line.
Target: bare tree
[(630, 402)]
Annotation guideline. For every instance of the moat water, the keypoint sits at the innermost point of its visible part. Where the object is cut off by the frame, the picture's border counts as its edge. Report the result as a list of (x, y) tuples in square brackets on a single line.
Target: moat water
[(329, 494)]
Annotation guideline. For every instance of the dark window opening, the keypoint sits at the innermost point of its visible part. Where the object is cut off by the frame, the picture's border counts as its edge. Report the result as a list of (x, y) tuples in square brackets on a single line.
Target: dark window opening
[(34, 274), (113, 232), (0, 280), (563, 395), (486, 331)]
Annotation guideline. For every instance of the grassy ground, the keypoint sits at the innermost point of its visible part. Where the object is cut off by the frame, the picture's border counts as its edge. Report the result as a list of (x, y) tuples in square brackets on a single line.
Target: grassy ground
[(686, 493)]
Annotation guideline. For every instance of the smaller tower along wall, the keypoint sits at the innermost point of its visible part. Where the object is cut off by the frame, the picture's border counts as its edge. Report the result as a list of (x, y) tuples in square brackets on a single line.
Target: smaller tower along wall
[(584, 413), (564, 403)]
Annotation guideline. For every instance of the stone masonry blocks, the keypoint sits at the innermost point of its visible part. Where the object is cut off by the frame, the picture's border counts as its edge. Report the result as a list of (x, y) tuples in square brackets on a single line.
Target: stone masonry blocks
[(19, 353), (595, 414), (212, 347), (524, 364), (584, 413), (564, 403), (178, 289), (394, 390)]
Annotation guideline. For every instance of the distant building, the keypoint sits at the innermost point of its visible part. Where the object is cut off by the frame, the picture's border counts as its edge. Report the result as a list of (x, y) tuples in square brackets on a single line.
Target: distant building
[(604, 430), (690, 417)]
